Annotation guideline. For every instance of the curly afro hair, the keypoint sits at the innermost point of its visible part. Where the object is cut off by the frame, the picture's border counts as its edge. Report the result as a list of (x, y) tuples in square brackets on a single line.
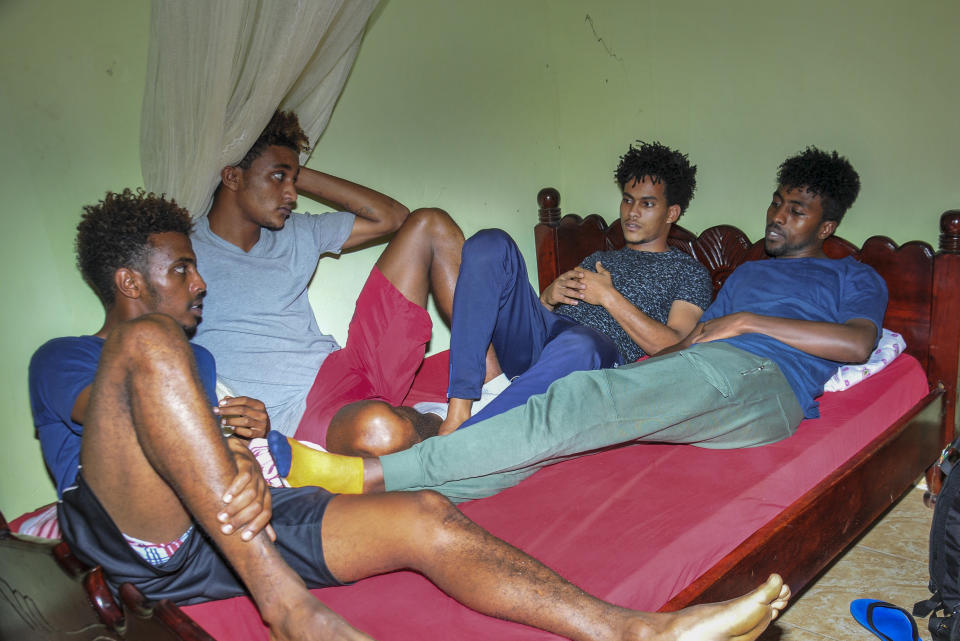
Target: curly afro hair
[(660, 163), (115, 233), (828, 175), (283, 130)]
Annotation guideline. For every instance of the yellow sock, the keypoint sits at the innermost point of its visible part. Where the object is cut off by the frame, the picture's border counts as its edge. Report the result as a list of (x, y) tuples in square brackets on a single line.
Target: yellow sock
[(334, 472)]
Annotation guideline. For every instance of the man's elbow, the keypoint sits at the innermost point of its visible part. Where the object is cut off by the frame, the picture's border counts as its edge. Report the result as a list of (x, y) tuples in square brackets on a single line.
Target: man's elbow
[(396, 214), (861, 341), (860, 356), (862, 348)]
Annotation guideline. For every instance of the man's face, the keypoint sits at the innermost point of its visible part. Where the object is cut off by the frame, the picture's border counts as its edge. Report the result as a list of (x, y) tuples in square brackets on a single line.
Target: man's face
[(644, 213), (795, 225), (173, 285), (268, 191)]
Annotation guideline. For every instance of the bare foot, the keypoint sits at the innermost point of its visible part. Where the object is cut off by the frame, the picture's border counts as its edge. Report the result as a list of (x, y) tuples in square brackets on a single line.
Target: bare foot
[(311, 620), (740, 619)]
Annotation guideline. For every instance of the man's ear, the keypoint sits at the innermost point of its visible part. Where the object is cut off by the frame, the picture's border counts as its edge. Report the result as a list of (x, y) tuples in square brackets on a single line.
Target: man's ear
[(231, 177), (129, 282), (673, 213), (827, 228)]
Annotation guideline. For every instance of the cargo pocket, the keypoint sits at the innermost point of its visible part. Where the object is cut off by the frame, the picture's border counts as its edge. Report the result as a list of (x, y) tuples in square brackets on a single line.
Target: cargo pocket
[(706, 370)]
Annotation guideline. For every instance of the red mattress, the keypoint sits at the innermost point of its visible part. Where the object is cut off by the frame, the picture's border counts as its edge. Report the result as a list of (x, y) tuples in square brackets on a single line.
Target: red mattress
[(633, 525)]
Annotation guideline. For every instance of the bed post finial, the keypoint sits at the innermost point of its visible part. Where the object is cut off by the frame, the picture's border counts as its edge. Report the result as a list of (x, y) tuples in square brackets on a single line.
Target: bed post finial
[(944, 339), (949, 231), (549, 201)]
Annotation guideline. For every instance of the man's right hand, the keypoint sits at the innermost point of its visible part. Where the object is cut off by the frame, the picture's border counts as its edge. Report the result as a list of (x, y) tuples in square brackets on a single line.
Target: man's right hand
[(567, 289), (246, 416)]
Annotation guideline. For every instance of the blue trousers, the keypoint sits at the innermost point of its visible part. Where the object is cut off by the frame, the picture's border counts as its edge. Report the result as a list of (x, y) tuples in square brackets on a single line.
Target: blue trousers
[(495, 303)]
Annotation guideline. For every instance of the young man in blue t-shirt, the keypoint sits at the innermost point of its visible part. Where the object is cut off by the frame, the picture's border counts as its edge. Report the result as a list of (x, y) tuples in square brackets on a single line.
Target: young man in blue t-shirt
[(134, 251), (746, 375)]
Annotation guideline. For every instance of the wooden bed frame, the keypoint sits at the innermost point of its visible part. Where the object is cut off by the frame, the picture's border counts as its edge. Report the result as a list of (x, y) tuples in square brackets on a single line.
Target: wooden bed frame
[(48, 593), (924, 306)]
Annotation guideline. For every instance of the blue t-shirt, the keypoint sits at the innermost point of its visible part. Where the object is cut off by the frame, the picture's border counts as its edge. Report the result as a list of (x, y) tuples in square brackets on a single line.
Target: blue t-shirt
[(59, 371), (815, 289)]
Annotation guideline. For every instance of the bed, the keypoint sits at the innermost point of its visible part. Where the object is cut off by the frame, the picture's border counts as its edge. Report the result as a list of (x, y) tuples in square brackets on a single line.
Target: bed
[(804, 537), (665, 526)]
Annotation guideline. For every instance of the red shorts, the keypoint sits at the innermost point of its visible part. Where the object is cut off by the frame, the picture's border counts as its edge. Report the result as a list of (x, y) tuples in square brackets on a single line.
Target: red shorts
[(385, 347)]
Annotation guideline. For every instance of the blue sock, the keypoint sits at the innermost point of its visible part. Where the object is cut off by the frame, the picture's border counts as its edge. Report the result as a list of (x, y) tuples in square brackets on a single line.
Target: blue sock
[(280, 451)]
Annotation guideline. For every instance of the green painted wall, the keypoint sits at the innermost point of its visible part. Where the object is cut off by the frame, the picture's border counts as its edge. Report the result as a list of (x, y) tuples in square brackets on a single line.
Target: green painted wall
[(475, 106), (71, 83)]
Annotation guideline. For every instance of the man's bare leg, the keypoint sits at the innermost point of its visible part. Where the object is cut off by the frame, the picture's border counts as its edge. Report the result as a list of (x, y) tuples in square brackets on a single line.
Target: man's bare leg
[(424, 257), (149, 432), (367, 535)]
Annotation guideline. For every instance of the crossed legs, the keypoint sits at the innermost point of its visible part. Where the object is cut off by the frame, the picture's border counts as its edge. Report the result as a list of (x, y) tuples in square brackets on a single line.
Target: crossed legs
[(150, 441)]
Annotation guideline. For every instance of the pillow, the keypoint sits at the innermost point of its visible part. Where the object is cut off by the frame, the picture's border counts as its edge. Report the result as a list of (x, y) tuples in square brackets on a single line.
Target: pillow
[(890, 346), (41, 523)]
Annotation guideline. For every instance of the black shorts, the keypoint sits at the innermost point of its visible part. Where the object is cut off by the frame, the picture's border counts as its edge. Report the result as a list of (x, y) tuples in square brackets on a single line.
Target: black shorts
[(197, 571)]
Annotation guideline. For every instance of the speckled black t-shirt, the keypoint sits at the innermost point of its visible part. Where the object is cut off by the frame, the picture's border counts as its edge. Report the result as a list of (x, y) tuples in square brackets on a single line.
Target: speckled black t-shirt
[(649, 280)]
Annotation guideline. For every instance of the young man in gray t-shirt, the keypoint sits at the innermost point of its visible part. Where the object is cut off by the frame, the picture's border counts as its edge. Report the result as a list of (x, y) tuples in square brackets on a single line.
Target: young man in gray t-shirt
[(258, 258)]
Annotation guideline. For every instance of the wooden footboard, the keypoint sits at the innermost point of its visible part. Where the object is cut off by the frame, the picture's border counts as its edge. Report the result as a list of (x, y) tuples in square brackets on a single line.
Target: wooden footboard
[(924, 306)]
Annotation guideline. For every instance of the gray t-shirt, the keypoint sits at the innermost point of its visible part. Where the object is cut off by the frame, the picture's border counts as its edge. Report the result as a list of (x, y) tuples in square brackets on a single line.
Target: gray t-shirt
[(257, 319), (649, 280)]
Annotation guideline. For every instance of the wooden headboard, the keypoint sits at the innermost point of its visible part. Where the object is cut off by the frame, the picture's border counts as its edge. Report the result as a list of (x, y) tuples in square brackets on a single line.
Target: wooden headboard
[(924, 285)]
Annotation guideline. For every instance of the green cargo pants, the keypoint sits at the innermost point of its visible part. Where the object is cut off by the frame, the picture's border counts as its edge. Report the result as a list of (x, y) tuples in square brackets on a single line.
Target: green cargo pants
[(711, 395)]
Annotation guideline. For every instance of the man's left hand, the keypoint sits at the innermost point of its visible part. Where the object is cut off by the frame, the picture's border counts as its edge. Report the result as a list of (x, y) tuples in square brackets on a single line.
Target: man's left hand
[(246, 503), (246, 416), (598, 285)]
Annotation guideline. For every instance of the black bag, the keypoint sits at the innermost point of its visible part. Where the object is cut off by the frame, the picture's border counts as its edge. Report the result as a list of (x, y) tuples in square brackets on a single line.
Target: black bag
[(945, 554)]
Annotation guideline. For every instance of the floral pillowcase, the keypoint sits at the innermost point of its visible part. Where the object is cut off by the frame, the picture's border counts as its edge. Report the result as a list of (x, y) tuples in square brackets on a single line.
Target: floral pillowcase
[(890, 346)]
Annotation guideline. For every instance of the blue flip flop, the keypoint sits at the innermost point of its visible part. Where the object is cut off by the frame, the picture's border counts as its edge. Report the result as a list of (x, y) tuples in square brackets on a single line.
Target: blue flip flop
[(887, 621)]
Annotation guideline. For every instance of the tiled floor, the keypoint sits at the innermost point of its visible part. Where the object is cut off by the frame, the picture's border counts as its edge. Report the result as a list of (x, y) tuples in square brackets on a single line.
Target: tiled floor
[(888, 563)]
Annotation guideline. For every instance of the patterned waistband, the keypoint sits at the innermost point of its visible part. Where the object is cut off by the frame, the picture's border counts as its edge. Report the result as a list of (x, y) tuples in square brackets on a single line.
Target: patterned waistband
[(157, 554)]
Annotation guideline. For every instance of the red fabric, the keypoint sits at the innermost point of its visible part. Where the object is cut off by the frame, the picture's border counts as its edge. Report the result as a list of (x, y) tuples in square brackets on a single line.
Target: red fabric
[(430, 383), (633, 525), (386, 342)]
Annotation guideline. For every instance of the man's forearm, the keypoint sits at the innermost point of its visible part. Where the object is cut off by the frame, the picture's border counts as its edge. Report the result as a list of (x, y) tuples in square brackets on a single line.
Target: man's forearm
[(849, 342), (365, 203), (651, 335)]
